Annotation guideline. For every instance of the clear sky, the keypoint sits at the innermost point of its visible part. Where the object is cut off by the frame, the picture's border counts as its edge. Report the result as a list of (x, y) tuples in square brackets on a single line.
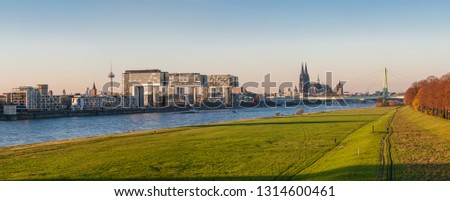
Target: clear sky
[(70, 44)]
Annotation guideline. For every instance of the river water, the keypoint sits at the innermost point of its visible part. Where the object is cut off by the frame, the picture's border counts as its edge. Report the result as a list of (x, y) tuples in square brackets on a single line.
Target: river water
[(46, 130)]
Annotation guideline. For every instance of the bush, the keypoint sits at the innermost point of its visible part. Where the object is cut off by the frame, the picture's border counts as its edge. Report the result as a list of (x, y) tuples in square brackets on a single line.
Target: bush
[(299, 112), (386, 103), (277, 113)]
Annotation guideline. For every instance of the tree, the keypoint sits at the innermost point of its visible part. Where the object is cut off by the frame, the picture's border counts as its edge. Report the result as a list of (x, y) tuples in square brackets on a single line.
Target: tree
[(445, 79), (411, 93), (431, 95), (417, 103)]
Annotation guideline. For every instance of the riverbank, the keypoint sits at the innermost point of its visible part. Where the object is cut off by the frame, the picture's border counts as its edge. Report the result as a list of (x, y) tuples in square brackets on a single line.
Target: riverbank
[(53, 129), (278, 148), (25, 115)]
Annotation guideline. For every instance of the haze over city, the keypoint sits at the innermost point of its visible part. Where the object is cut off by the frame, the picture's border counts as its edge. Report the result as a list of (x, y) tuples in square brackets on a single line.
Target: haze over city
[(69, 45)]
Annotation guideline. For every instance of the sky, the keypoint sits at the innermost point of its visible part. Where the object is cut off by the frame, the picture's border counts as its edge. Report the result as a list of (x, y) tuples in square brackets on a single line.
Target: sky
[(71, 44)]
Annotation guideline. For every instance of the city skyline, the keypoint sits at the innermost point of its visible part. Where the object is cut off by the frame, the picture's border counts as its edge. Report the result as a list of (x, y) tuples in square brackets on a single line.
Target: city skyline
[(104, 88), (69, 45)]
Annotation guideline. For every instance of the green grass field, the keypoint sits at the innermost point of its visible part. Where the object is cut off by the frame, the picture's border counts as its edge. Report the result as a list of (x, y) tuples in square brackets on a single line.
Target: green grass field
[(421, 146), (357, 157), (260, 149), (339, 145)]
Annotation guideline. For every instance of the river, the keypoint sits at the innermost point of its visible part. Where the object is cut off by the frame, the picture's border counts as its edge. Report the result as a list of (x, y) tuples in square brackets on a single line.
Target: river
[(46, 130)]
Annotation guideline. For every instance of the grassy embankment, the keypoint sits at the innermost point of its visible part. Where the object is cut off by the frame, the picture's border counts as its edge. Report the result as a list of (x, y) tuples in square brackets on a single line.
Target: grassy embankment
[(357, 157), (261, 149), (420, 146)]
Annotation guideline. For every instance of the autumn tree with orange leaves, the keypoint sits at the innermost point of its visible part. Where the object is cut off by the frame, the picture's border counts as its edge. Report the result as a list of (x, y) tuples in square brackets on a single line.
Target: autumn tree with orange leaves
[(430, 96)]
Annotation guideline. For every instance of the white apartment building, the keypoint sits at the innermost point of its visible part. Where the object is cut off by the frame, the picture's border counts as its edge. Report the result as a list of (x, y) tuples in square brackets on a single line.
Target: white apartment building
[(83, 102), (33, 99)]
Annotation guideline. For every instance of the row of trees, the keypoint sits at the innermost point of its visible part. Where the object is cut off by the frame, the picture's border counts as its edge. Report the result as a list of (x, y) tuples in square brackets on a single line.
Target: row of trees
[(431, 96)]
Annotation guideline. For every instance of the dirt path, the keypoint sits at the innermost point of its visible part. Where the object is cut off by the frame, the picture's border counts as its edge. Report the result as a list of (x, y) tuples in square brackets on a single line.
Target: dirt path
[(387, 162)]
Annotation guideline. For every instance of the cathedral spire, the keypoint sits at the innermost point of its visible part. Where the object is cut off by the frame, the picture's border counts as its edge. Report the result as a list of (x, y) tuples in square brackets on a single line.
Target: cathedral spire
[(306, 68), (306, 74), (303, 70), (318, 79)]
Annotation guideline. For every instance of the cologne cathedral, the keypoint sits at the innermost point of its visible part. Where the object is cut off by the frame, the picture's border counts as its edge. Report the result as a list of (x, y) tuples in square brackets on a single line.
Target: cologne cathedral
[(307, 87), (304, 80)]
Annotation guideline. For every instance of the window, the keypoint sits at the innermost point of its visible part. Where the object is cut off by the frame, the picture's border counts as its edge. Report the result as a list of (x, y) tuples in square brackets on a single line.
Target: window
[(183, 78)]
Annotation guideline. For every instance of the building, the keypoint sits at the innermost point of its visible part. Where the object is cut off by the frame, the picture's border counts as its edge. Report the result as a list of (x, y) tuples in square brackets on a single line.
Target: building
[(24, 97), (48, 103), (310, 88), (340, 88), (220, 88), (10, 110), (304, 82), (90, 100), (129, 102), (83, 102), (65, 101), (94, 90), (42, 89), (149, 87), (187, 88), (316, 88), (2, 99), (37, 99), (46, 100)]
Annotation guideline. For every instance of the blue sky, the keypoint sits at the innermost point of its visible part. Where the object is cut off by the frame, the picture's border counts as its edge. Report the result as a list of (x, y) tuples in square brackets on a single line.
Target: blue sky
[(70, 44)]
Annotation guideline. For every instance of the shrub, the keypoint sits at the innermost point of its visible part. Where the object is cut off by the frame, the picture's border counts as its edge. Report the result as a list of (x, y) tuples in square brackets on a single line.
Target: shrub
[(277, 113), (299, 112)]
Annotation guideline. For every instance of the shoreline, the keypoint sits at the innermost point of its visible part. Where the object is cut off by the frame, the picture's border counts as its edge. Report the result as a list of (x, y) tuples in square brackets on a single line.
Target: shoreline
[(85, 113), (36, 115), (155, 131)]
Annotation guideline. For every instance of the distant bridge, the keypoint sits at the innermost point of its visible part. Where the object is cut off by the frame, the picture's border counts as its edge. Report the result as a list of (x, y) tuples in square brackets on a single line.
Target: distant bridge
[(311, 99), (337, 98)]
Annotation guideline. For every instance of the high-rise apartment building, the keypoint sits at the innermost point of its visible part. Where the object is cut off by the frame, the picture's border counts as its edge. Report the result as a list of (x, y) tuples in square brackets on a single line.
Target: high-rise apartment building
[(220, 87), (149, 87), (186, 88)]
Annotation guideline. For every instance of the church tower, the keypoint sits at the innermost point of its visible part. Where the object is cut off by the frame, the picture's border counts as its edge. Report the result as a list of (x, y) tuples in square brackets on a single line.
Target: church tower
[(301, 81), (306, 74), (94, 91), (304, 81)]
